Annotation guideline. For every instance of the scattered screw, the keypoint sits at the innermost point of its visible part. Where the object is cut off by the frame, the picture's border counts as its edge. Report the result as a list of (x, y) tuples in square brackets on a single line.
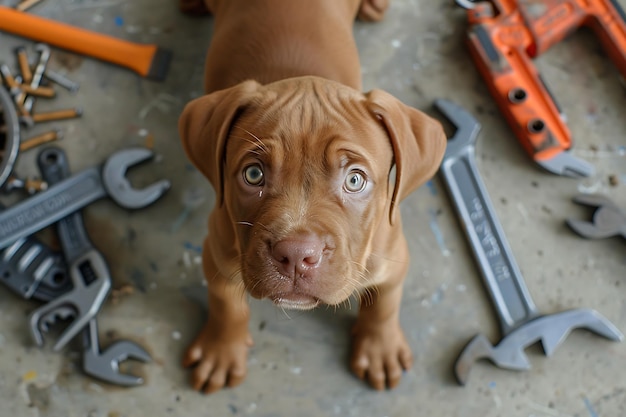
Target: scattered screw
[(40, 140), (30, 185), (61, 80), (26, 4), (56, 115), (22, 60)]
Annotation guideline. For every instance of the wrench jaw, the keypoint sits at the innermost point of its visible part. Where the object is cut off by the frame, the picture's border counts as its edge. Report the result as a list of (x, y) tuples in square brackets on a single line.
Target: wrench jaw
[(481, 348), (105, 365), (118, 186), (594, 201), (592, 231), (566, 164), (550, 330), (467, 128), (607, 221)]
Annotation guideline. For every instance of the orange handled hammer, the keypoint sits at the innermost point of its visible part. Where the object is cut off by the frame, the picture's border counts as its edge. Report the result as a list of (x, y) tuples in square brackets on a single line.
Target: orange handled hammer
[(149, 61)]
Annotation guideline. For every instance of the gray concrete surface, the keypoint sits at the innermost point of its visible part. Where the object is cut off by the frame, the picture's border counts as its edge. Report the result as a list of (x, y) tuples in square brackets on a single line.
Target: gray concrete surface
[(298, 366)]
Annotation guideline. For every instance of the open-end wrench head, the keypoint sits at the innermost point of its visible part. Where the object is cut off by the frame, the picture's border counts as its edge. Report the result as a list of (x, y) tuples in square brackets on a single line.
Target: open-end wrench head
[(608, 219), (118, 186), (467, 128), (566, 164), (551, 330), (105, 365), (481, 348)]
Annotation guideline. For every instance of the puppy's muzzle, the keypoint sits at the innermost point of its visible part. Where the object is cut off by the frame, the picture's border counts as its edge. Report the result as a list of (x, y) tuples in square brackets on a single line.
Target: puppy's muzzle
[(299, 262), (298, 257)]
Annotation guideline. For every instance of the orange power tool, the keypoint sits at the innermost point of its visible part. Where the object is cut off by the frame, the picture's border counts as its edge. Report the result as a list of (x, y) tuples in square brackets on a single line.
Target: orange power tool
[(504, 36), (148, 61)]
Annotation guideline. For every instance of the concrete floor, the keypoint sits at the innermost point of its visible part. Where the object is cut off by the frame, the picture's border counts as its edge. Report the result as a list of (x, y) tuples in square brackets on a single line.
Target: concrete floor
[(299, 363)]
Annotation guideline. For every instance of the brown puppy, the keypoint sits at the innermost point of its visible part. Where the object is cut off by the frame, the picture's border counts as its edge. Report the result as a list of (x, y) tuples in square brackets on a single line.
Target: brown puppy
[(302, 164)]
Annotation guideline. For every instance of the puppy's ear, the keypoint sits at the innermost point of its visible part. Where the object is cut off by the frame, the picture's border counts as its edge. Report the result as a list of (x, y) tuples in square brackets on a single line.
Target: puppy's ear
[(204, 126), (418, 142)]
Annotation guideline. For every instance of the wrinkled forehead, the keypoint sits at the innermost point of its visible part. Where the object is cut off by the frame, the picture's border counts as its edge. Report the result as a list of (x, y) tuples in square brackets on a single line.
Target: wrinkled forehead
[(307, 117)]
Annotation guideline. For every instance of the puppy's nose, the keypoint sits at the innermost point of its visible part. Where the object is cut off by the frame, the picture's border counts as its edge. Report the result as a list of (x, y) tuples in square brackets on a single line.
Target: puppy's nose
[(298, 256)]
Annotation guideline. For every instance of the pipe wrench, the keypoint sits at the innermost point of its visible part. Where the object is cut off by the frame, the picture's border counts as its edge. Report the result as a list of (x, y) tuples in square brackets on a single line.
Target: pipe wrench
[(504, 36)]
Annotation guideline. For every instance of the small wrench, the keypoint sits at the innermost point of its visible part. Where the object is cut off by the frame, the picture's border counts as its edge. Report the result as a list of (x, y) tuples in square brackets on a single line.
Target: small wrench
[(41, 210), (520, 322), (608, 220), (104, 365)]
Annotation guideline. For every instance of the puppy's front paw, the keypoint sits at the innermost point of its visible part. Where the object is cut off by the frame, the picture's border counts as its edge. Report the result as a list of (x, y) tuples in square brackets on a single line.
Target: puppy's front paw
[(219, 357), (379, 355)]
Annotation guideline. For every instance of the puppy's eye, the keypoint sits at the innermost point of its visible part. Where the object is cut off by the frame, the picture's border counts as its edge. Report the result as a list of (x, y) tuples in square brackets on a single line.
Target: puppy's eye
[(253, 175), (355, 182)]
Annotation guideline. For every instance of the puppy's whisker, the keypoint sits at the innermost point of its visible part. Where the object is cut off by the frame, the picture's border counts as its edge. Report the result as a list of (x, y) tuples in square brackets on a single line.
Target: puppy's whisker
[(398, 261), (368, 297), (285, 313), (241, 287), (243, 223), (257, 150), (349, 302), (361, 268), (256, 142)]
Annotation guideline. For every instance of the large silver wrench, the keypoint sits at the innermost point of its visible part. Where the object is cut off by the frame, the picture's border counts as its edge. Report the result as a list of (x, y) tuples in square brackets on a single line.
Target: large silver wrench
[(520, 322), (72, 194), (88, 270)]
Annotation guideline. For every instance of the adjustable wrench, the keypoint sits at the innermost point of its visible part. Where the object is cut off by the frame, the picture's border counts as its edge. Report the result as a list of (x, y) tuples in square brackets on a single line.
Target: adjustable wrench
[(78, 250), (88, 270), (520, 322), (73, 193)]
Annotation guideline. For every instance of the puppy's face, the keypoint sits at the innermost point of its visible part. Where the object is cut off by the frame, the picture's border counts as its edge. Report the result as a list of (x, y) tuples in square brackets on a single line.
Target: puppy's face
[(303, 177), (306, 184)]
